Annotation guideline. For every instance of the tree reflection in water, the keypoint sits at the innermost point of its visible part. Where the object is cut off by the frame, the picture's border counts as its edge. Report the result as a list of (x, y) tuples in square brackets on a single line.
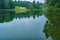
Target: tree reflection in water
[(7, 16)]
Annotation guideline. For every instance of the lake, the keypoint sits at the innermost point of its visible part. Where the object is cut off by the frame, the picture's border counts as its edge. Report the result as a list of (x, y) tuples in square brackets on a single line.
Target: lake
[(29, 20), (24, 26)]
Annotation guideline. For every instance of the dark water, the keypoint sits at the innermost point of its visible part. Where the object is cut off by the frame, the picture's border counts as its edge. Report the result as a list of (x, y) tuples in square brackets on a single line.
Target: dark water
[(23, 26)]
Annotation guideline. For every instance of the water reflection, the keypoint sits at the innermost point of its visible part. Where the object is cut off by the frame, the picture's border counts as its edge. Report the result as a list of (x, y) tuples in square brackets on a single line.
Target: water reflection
[(52, 26), (22, 26), (7, 16)]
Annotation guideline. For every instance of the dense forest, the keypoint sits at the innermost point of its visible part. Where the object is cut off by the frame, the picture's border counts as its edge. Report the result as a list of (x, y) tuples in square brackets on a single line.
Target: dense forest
[(54, 3), (52, 26), (4, 4)]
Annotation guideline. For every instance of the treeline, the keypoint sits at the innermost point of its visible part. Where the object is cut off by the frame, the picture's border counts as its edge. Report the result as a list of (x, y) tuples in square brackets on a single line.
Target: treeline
[(28, 4), (5, 4), (11, 4)]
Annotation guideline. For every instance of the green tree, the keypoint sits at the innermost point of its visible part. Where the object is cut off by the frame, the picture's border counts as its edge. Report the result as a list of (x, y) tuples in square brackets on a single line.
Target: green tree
[(55, 3), (52, 26)]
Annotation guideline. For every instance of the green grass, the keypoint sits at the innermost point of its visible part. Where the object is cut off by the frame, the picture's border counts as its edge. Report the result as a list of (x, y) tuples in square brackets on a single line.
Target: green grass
[(17, 10), (20, 9)]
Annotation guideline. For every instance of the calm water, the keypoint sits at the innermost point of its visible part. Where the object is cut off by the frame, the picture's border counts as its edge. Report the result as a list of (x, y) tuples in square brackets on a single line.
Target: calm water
[(24, 26), (18, 24)]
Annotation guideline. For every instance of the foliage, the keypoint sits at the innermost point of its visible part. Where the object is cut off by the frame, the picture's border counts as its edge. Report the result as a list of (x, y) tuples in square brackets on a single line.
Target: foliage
[(52, 26), (55, 3), (52, 5), (11, 4)]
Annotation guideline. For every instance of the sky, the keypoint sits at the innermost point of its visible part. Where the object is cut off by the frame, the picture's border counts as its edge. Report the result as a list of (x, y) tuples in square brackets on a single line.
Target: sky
[(41, 1)]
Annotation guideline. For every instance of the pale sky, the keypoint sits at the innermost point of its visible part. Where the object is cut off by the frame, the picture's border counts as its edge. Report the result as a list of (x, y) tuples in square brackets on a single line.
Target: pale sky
[(41, 1)]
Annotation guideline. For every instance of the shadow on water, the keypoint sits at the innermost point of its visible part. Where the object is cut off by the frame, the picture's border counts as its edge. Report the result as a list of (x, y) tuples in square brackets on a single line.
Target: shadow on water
[(7, 16)]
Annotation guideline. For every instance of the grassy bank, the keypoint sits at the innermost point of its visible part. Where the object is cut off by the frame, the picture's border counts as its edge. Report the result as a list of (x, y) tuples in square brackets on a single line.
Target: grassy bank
[(18, 10)]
